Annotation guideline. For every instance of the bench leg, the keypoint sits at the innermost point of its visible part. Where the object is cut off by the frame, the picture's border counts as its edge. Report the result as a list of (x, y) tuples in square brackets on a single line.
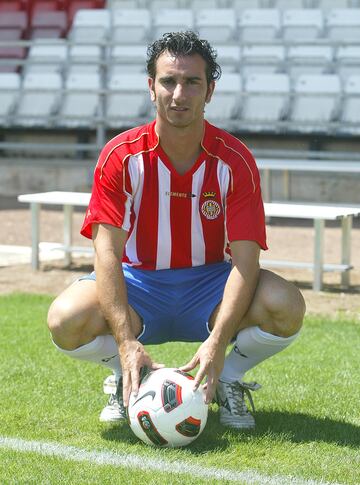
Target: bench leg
[(346, 225), (35, 236), (319, 225), (68, 212)]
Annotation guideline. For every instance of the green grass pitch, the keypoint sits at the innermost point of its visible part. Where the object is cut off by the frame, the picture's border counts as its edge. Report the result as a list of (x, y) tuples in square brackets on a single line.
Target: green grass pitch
[(308, 410)]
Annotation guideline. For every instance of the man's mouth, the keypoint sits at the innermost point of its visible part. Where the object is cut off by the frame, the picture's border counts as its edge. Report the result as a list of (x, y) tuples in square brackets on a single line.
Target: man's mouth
[(178, 108)]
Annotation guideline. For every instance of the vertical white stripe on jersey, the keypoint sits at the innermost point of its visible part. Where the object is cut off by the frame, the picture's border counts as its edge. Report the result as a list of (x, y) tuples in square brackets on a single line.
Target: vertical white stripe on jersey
[(136, 172), (223, 175), (197, 236), (163, 256)]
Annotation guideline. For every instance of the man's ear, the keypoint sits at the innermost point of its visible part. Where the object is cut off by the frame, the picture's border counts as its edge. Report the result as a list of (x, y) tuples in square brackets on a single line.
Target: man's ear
[(210, 91), (151, 84)]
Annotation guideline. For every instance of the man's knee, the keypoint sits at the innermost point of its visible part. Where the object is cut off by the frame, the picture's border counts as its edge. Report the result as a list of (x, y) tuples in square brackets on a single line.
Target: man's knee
[(64, 323), (285, 307)]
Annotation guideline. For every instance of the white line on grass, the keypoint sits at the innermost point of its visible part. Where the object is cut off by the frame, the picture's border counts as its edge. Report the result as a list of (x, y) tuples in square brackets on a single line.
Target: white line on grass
[(148, 464)]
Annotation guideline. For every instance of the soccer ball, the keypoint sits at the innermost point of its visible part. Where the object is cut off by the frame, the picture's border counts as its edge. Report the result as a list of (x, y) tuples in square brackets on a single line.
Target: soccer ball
[(167, 411)]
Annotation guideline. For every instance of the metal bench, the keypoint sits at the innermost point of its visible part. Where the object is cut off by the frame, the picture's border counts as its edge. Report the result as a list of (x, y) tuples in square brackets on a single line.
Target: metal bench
[(319, 213)]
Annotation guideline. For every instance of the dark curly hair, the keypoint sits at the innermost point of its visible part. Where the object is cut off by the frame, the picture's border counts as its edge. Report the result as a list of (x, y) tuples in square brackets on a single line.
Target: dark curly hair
[(183, 44)]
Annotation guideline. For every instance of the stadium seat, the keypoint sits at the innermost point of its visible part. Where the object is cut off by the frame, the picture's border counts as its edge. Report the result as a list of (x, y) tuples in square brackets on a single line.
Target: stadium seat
[(288, 4), (39, 99), (123, 4), (9, 90), (259, 24), (351, 106), (85, 58), (52, 24), (73, 6), (156, 5), (316, 102), (44, 6), (262, 59), (90, 26), (13, 20), (197, 5), (331, 4), (305, 24), (80, 104), (45, 57), (131, 27), (309, 59), (126, 59), (266, 100), (226, 99), (240, 5), (344, 24), (217, 26), (348, 60), (10, 6), (172, 20), (128, 99), (228, 57)]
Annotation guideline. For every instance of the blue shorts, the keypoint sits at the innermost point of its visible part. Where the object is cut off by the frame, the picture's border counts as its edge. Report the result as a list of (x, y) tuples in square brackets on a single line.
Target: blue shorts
[(175, 304)]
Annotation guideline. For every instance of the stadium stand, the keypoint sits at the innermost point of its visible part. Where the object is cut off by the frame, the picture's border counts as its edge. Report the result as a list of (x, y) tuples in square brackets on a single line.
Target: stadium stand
[(302, 50)]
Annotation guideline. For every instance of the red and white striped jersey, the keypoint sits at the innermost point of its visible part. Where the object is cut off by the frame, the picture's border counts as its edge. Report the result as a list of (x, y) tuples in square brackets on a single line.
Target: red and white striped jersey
[(173, 220)]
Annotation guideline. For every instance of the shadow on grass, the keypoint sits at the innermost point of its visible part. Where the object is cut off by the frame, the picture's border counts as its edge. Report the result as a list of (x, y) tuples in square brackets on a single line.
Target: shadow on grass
[(289, 427)]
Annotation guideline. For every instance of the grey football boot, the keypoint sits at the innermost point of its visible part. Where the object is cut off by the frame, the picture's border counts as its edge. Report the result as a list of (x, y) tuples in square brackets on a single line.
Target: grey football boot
[(114, 410), (234, 412)]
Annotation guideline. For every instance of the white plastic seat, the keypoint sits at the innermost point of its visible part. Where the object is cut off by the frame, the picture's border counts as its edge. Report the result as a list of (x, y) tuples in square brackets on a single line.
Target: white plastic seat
[(348, 60), (262, 59), (228, 56), (156, 5), (9, 91), (316, 101), (125, 59), (266, 100), (79, 106), (85, 58), (288, 4), (217, 26), (172, 20), (131, 26), (197, 5), (351, 106), (39, 99), (240, 5), (305, 24), (90, 26), (225, 101), (259, 24), (309, 59), (331, 4), (127, 100), (46, 57), (344, 24)]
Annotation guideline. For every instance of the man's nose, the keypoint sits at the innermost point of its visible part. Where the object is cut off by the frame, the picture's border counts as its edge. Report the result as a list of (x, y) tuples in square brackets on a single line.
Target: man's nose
[(179, 92)]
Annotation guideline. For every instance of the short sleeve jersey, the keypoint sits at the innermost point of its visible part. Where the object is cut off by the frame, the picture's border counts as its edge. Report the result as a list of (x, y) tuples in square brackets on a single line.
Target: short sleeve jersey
[(173, 220)]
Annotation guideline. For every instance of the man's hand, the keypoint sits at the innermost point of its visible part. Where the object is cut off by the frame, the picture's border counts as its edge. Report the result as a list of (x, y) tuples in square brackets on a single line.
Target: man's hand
[(133, 358), (210, 357)]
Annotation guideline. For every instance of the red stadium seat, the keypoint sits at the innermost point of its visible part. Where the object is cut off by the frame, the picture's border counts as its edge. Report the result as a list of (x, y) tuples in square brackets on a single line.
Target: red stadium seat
[(10, 20), (10, 6), (45, 6), (52, 24), (10, 34)]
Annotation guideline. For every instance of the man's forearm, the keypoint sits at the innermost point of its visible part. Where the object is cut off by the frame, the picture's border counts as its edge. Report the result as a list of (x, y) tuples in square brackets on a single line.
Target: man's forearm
[(238, 293), (111, 289)]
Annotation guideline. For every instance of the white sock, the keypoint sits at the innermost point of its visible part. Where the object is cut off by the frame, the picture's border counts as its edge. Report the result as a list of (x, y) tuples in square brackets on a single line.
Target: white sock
[(252, 346), (102, 350)]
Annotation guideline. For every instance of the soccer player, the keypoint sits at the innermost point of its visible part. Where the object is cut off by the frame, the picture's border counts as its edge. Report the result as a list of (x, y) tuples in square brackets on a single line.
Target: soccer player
[(177, 221)]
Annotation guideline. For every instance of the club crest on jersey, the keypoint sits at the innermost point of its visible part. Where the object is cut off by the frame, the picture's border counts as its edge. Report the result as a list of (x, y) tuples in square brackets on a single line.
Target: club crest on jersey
[(209, 194), (210, 209)]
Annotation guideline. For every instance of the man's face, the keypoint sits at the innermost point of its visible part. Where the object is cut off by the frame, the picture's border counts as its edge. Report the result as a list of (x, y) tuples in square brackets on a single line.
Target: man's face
[(180, 89)]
